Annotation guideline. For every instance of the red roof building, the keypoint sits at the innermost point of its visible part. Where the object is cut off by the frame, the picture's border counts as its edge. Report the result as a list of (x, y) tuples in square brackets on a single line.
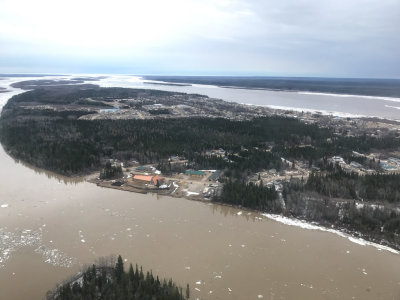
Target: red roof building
[(149, 178)]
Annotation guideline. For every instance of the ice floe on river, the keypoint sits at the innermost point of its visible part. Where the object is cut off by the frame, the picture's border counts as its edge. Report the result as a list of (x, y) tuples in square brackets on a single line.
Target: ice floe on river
[(13, 241)]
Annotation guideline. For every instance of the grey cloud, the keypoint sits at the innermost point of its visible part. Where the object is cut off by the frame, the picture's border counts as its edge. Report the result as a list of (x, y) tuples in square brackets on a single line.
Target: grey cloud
[(353, 38)]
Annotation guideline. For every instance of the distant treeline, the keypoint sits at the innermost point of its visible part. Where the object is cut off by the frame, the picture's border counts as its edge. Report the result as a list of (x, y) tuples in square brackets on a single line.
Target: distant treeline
[(116, 283)]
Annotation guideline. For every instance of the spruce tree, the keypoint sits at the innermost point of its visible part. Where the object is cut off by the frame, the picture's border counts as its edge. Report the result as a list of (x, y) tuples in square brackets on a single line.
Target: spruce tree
[(119, 269)]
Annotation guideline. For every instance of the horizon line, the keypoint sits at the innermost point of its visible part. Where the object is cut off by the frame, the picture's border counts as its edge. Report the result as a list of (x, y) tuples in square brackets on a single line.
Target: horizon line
[(194, 75)]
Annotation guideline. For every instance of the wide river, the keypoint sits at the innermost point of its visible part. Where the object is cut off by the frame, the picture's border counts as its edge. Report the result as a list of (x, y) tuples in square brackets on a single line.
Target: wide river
[(50, 226), (335, 104)]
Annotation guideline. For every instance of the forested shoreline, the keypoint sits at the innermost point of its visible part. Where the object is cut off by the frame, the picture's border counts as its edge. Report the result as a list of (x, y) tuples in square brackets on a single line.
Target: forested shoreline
[(373, 219)]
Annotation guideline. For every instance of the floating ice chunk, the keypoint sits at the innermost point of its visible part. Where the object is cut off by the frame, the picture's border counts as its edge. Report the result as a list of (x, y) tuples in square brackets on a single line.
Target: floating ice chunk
[(364, 272), (198, 282), (55, 257), (210, 292), (83, 241), (243, 246), (187, 268), (197, 289), (347, 251), (217, 276), (4, 205), (229, 290), (260, 296)]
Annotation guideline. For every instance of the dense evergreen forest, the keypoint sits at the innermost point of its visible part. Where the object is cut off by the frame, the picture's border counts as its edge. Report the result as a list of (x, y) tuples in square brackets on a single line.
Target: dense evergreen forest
[(59, 141), (250, 195), (116, 283), (340, 184), (364, 204), (376, 222)]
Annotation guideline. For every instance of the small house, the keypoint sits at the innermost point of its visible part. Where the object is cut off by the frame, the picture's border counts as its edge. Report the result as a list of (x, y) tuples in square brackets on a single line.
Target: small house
[(195, 173)]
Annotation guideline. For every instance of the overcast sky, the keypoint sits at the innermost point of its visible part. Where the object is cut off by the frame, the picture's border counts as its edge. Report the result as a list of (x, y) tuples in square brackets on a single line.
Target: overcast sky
[(331, 38)]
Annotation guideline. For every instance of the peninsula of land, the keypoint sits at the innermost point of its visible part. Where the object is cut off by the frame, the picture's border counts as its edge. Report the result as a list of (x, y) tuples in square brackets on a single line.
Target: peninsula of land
[(338, 172)]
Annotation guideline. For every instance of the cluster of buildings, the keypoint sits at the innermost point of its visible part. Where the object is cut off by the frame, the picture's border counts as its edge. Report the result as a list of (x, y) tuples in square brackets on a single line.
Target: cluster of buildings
[(217, 152), (390, 165)]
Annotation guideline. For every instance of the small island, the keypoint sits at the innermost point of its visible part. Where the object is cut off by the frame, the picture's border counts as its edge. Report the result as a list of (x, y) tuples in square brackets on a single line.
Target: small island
[(337, 172), (110, 281)]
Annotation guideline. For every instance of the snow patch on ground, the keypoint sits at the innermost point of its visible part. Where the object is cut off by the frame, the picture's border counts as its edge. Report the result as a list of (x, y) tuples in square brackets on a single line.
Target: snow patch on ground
[(188, 193)]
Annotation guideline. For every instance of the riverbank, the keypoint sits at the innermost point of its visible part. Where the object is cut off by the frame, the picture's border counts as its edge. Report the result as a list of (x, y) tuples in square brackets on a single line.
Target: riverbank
[(351, 235), (188, 188)]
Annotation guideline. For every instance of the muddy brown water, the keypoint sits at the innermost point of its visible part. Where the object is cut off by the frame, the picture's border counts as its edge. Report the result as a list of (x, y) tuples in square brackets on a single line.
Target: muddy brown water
[(50, 227)]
